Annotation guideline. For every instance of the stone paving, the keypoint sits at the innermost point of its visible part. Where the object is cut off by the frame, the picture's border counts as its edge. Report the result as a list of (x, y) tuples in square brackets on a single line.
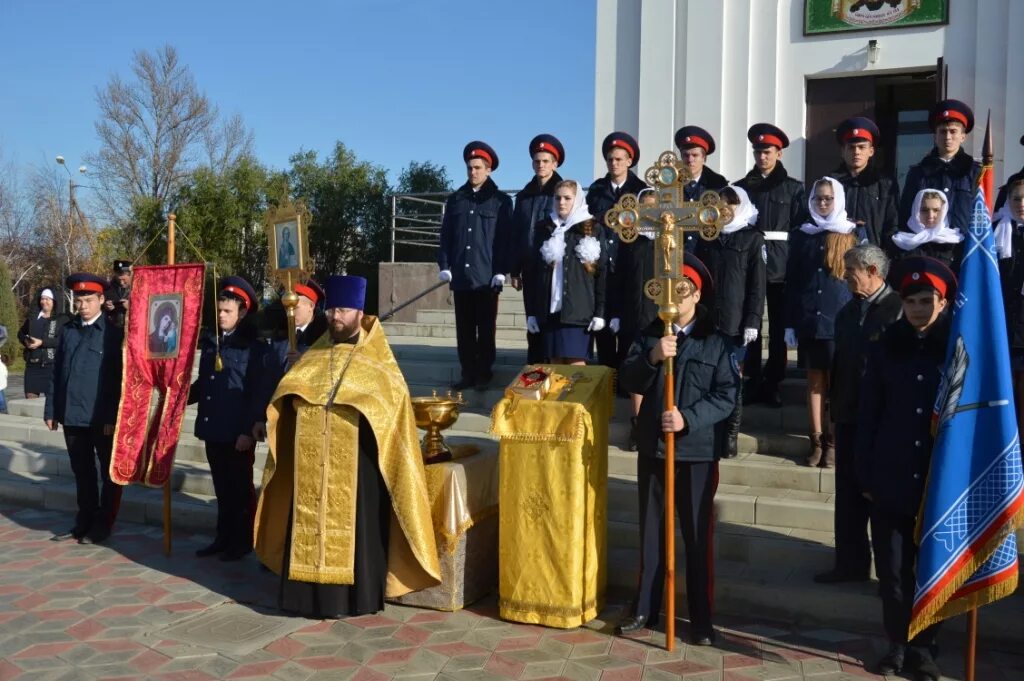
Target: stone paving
[(123, 610)]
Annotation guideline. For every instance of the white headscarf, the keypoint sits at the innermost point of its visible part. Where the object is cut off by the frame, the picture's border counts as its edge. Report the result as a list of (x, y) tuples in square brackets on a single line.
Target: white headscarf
[(836, 220), (743, 215), (1003, 226), (553, 249), (919, 234)]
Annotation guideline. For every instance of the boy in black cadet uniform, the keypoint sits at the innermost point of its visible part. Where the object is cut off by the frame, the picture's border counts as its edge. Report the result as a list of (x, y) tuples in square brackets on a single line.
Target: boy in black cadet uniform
[(225, 419), (874, 307), (277, 357), (83, 396), (872, 197), (947, 168), (894, 448), (475, 233), (695, 144), (1002, 196), (706, 376), (621, 153), (781, 203), (120, 288), (533, 204)]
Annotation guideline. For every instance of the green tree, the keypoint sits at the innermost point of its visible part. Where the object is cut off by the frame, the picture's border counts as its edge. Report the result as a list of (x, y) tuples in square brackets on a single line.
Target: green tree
[(415, 215), (423, 177), (8, 313)]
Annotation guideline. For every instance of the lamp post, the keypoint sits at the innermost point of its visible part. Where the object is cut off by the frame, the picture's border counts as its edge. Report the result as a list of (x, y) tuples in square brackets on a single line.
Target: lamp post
[(72, 208)]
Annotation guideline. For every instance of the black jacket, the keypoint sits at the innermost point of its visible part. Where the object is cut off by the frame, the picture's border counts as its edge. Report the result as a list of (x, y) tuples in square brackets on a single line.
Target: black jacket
[(1001, 196), (475, 231), (1011, 274), (872, 201), (781, 203), (709, 179), (852, 337), (533, 203), (737, 265), (634, 310), (706, 379), (958, 180), (894, 424), (273, 360), (227, 407), (85, 387), (601, 197), (583, 292), (949, 254), (813, 295), (46, 329)]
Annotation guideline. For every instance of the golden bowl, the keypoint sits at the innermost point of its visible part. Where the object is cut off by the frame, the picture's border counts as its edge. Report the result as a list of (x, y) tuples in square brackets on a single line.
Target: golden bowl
[(434, 414)]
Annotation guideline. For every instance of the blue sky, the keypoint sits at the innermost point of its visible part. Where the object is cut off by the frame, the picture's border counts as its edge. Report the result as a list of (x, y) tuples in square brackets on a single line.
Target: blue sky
[(395, 81)]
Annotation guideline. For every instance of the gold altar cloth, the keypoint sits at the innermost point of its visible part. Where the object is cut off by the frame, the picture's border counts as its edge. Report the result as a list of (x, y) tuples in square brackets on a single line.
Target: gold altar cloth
[(553, 475)]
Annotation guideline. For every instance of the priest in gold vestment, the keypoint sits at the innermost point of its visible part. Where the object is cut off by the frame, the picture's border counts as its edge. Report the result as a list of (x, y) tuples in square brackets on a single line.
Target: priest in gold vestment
[(343, 514)]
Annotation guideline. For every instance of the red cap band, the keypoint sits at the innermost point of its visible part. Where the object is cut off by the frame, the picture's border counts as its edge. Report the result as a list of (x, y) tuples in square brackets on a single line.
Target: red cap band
[(915, 278), (699, 141), (858, 133), (692, 274), (550, 148), (480, 153), (310, 293), (769, 139), (87, 287), (241, 294), (624, 145), (952, 115)]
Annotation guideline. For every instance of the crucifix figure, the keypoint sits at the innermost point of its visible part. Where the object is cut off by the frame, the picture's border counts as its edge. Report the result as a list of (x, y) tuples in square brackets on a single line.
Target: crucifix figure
[(666, 223)]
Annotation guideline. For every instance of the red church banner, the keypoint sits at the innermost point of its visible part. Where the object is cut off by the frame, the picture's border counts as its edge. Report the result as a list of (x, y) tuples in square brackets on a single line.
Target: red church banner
[(161, 332)]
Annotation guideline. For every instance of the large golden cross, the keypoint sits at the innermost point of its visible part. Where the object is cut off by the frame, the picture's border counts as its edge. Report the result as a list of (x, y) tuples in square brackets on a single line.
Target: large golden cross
[(667, 221)]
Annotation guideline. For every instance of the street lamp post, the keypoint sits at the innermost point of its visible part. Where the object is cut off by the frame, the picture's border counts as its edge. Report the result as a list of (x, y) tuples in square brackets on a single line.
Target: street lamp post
[(72, 209)]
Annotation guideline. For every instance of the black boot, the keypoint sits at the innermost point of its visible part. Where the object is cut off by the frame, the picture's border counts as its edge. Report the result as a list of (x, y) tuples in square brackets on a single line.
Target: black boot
[(632, 434), (892, 662), (732, 426)]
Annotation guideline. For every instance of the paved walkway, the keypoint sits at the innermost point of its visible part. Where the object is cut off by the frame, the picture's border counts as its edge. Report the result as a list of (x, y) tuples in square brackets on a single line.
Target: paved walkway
[(123, 610)]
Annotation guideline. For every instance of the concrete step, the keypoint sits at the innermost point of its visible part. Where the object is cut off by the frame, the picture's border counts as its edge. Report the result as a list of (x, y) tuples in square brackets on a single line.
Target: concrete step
[(502, 334), (515, 319)]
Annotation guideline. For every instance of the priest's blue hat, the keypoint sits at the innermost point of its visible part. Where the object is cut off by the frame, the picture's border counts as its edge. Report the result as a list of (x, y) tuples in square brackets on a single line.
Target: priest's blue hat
[(342, 290)]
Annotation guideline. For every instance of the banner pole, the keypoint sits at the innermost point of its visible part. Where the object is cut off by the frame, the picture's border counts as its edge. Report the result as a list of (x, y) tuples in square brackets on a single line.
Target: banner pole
[(972, 644), (167, 484)]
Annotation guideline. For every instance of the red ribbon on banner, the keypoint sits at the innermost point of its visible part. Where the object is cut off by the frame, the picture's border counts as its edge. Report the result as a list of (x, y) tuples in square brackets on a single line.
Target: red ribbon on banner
[(161, 333)]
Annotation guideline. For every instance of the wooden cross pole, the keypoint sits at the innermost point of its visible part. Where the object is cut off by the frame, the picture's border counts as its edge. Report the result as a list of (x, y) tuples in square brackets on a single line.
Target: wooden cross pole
[(666, 221), (171, 225)]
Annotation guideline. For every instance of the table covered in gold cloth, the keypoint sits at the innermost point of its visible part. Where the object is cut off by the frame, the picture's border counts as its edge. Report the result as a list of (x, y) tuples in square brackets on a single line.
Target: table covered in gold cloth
[(553, 475), (464, 509)]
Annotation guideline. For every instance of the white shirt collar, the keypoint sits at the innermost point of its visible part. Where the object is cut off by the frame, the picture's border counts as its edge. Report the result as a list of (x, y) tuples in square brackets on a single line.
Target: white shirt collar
[(302, 328), (686, 329), (91, 321)]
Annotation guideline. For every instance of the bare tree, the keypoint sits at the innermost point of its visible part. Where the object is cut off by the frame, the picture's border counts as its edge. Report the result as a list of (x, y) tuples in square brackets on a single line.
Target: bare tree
[(226, 143), (14, 217)]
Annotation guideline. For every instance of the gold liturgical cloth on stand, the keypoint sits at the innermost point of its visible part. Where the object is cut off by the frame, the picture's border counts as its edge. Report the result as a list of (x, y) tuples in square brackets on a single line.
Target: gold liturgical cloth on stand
[(552, 508)]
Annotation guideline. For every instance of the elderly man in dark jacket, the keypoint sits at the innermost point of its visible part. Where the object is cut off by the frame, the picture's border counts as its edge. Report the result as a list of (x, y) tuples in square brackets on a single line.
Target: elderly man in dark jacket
[(475, 231), (706, 375), (862, 320), (534, 203), (947, 168), (83, 397), (781, 203), (872, 197)]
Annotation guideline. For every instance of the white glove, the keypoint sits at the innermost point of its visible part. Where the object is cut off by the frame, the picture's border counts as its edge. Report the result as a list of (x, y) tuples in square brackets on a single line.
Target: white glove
[(791, 341), (497, 280), (531, 325), (749, 336), (444, 275), (596, 324), (614, 324)]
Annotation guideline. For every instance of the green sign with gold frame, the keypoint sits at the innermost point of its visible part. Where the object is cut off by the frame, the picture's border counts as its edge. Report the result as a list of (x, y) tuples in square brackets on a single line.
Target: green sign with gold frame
[(835, 16)]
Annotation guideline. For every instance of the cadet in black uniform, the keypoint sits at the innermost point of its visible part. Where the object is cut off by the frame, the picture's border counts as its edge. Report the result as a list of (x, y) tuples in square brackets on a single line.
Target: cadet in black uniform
[(781, 203), (533, 204), (894, 448), (695, 144), (929, 232), (117, 293), (872, 197), (475, 232), (737, 265), (225, 419), (815, 291), (1003, 191), (621, 153), (874, 307), (83, 396), (947, 168), (706, 376)]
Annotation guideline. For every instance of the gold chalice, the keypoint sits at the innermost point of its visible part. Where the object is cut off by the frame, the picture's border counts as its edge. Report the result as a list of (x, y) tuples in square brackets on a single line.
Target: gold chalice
[(434, 414)]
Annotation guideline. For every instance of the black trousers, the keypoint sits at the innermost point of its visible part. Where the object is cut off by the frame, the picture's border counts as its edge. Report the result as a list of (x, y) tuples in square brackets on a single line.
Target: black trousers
[(96, 506), (853, 511), (608, 348), (774, 369), (236, 496), (535, 348), (695, 486), (476, 313), (895, 559)]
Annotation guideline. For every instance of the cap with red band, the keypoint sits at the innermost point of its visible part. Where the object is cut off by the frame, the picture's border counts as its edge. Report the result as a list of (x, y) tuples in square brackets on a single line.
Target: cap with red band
[(85, 283), (857, 128), (951, 110), (310, 290), (766, 134), (921, 273), (240, 289), (624, 141), (695, 270), (482, 150), (692, 136), (550, 144)]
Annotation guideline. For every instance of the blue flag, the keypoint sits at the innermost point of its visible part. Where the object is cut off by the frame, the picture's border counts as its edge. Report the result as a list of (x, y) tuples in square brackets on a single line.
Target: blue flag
[(974, 499)]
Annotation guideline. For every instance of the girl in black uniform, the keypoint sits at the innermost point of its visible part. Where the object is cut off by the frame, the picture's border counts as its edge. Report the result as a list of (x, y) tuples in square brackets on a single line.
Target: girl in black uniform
[(928, 232)]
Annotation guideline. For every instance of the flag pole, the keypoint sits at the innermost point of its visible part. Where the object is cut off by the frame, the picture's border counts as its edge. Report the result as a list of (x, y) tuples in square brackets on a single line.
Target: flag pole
[(167, 483)]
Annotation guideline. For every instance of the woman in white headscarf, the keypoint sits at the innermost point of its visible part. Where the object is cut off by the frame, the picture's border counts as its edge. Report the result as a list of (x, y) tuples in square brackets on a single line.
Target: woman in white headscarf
[(736, 261), (567, 296), (39, 335), (928, 232), (815, 292)]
